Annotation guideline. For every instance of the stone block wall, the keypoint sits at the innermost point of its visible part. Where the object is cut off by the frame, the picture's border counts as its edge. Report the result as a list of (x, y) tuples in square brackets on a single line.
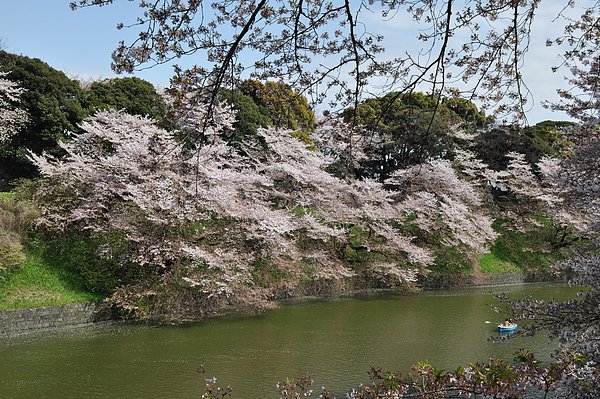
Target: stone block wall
[(526, 277), (20, 321), (501, 279)]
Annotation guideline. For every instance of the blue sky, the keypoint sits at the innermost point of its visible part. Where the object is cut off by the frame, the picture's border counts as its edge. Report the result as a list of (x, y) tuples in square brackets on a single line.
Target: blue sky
[(80, 43)]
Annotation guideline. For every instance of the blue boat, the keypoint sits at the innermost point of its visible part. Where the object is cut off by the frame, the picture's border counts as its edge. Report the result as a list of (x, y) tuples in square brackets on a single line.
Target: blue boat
[(503, 328)]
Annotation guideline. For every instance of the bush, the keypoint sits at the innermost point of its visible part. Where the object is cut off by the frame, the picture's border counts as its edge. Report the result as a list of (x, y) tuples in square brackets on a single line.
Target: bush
[(99, 259), (11, 252), (16, 216)]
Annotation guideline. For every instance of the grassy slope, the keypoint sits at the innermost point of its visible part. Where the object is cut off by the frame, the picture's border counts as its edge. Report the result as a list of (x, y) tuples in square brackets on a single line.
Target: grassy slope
[(37, 283), (490, 263), (516, 251)]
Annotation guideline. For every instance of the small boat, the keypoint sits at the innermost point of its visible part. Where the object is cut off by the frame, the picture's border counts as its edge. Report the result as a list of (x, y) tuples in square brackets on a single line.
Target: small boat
[(503, 328)]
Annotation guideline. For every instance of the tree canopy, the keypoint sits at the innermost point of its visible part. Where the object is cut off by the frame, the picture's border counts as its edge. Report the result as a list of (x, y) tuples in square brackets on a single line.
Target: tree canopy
[(402, 130), (545, 139), (281, 104), (133, 95), (54, 105), (273, 104)]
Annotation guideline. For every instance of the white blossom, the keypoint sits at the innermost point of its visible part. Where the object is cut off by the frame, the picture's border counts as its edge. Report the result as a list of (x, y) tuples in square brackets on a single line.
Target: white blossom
[(12, 118)]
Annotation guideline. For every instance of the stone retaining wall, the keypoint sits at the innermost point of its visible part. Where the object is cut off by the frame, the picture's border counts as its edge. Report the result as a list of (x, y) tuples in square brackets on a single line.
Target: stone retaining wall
[(501, 279), (518, 278), (20, 321)]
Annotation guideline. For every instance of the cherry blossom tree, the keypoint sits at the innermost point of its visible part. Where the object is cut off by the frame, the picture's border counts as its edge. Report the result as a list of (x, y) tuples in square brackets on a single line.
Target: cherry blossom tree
[(12, 118), (441, 200), (574, 181), (568, 188), (125, 174)]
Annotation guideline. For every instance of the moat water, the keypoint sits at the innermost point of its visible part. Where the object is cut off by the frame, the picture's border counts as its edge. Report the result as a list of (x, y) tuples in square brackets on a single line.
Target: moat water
[(334, 342)]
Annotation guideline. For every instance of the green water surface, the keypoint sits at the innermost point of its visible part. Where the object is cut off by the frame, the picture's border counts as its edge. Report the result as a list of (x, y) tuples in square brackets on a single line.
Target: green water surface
[(336, 343)]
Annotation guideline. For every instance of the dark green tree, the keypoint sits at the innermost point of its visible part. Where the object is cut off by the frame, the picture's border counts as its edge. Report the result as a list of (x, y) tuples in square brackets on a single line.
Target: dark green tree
[(411, 128), (250, 116), (543, 139), (133, 95), (54, 104), (284, 107), (472, 117)]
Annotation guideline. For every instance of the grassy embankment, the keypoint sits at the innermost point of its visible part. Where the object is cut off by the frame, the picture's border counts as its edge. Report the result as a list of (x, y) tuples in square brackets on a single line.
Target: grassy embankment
[(538, 248), (37, 283), (40, 280), (28, 280)]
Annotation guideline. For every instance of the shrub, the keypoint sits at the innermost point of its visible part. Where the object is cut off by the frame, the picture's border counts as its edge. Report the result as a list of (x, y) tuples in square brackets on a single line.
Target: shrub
[(11, 252), (16, 216), (99, 259)]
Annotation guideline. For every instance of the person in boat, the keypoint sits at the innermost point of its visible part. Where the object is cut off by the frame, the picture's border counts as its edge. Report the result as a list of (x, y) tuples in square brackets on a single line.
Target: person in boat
[(507, 323)]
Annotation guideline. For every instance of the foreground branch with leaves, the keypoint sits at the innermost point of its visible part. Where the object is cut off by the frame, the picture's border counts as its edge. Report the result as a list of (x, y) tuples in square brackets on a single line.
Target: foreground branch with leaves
[(334, 50), (496, 379)]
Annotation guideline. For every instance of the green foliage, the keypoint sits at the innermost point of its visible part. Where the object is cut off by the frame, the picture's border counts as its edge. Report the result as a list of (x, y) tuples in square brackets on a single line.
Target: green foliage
[(304, 137), (308, 267), (358, 237), (410, 229), (447, 258), (5, 195), (549, 137), (39, 283), (451, 259), (16, 216), (301, 211), (358, 257), (207, 231), (413, 127), (472, 117), (133, 95), (281, 104), (543, 139), (54, 104), (249, 115), (305, 242), (95, 258), (531, 249), (489, 263), (266, 274), (357, 252), (270, 104)]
